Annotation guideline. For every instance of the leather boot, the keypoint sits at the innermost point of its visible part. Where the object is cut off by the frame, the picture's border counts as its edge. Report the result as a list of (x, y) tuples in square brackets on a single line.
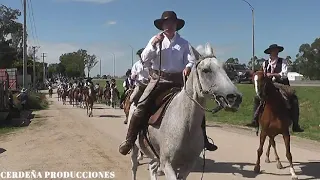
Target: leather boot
[(209, 146), (256, 105), (133, 130), (294, 111)]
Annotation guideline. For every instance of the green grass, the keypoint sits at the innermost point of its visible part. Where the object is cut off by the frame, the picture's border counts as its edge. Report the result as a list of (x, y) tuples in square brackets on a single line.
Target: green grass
[(309, 99)]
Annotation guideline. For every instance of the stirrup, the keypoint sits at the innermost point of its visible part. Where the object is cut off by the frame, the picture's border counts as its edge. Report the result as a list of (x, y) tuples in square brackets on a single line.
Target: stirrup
[(124, 143)]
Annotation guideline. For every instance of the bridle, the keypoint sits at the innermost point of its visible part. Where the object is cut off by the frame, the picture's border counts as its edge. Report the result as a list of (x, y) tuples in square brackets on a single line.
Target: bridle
[(204, 92)]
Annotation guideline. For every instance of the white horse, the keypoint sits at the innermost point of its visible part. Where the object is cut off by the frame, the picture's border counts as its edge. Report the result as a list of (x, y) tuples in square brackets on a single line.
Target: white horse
[(179, 140)]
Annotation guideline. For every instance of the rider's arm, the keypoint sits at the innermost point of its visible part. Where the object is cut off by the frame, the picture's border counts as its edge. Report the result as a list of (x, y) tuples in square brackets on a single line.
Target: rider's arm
[(188, 56), (134, 72), (149, 53)]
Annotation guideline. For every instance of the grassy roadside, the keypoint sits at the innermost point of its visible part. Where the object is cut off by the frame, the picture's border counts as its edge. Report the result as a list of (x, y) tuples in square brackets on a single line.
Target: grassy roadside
[(309, 99), (37, 101)]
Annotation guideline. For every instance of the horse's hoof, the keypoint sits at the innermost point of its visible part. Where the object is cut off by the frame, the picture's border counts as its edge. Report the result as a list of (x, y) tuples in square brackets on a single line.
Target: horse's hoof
[(257, 169), (279, 166), (125, 122), (267, 160)]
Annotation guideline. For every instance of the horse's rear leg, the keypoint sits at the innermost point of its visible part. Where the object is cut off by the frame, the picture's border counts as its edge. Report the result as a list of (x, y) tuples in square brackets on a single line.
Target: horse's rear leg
[(273, 144), (286, 138), (263, 136), (153, 167)]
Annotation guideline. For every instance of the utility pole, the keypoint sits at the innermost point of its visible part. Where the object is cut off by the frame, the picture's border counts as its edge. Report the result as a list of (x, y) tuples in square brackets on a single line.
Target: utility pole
[(131, 55), (100, 68), (34, 66), (44, 68), (252, 12), (24, 78)]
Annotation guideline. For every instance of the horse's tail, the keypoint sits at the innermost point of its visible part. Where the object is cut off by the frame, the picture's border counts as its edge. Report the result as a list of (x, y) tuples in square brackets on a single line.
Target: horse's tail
[(257, 130)]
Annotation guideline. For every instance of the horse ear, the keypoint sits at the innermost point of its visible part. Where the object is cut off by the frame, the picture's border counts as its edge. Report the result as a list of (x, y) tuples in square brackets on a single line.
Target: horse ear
[(208, 50)]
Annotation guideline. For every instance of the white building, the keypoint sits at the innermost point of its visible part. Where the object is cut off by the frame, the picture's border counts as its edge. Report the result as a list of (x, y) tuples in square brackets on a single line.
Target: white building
[(294, 76)]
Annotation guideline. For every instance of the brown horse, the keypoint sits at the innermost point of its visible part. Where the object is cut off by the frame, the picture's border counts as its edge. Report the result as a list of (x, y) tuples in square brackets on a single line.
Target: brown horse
[(275, 119), (90, 99), (99, 94), (107, 96), (64, 94), (127, 104), (70, 96)]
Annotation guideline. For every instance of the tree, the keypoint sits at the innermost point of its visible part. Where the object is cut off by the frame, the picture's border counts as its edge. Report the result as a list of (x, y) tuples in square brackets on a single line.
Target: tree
[(90, 61), (10, 36), (233, 60), (257, 63), (308, 60), (288, 59)]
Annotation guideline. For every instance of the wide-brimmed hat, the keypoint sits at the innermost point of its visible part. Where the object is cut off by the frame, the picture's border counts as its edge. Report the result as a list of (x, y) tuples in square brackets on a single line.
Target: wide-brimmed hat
[(139, 52), (273, 46), (169, 15)]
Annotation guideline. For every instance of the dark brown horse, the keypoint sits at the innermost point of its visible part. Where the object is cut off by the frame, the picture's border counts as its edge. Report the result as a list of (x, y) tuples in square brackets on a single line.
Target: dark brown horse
[(70, 96), (275, 119), (64, 94)]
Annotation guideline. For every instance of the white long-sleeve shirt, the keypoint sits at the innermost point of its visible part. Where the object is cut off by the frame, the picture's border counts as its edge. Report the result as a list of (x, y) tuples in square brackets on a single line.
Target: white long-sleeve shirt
[(139, 72), (176, 55)]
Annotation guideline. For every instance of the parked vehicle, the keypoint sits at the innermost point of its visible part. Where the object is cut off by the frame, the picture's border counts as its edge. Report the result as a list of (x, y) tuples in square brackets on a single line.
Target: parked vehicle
[(238, 72)]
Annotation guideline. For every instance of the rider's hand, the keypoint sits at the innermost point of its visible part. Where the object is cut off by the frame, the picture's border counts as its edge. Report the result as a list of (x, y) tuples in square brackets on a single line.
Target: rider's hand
[(186, 71), (159, 37)]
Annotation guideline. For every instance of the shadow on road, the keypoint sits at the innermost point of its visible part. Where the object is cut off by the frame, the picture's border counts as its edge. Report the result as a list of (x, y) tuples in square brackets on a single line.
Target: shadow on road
[(111, 116), (310, 169), (2, 150), (224, 167)]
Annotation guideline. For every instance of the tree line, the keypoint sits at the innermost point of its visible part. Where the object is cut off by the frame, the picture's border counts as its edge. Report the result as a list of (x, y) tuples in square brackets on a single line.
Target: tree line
[(73, 64), (307, 61)]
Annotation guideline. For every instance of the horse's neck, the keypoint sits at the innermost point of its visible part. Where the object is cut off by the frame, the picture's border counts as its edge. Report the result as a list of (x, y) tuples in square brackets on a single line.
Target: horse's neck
[(190, 99), (273, 97)]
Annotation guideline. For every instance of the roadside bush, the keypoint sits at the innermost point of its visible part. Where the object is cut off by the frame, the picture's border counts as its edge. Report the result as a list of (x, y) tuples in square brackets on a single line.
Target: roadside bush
[(36, 101)]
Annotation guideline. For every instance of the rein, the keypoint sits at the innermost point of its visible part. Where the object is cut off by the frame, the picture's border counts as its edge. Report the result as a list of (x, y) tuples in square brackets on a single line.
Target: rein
[(214, 110)]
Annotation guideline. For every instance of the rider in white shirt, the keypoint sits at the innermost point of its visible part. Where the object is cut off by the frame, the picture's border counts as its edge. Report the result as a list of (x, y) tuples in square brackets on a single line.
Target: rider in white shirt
[(139, 73)]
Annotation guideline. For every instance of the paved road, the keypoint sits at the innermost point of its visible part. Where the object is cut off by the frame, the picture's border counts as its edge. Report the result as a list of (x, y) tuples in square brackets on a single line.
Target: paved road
[(65, 139)]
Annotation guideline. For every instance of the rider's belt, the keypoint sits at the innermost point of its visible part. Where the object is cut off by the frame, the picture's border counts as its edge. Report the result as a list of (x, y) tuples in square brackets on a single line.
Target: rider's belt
[(175, 77)]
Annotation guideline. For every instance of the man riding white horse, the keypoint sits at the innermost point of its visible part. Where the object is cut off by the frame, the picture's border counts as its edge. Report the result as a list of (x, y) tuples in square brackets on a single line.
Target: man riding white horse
[(177, 58), (276, 68)]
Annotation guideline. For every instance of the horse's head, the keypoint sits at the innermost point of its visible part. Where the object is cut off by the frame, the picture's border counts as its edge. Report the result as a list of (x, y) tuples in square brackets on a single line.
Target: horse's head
[(261, 83), (212, 80)]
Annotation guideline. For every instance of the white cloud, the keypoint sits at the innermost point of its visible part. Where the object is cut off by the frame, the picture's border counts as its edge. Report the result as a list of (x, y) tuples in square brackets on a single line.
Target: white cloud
[(91, 1), (102, 50), (111, 22)]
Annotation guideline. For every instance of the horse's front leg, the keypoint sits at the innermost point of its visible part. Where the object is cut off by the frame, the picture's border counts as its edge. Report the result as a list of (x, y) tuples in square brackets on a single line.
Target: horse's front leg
[(170, 174), (286, 138), (273, 144), (263, 136)]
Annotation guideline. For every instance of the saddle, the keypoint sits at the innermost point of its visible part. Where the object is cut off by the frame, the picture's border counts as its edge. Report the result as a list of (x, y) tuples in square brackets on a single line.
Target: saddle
[(286, 92), (161, 104)]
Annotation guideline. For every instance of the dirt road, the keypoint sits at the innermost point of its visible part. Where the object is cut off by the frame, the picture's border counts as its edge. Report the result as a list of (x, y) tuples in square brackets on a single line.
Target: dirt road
[(63, 138)]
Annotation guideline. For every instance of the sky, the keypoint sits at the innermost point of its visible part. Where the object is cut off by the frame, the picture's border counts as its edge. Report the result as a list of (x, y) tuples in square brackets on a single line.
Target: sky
[(104, 27)]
